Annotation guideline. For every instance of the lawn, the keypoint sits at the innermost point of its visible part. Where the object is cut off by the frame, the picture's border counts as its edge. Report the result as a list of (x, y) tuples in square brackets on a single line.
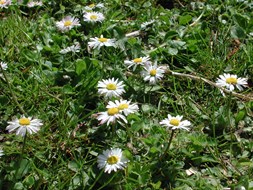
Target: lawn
[(126, 95)]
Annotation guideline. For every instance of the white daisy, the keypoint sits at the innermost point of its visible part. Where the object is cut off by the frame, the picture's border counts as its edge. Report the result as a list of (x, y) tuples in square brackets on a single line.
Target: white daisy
[(74, 48), (1, 152), (112, 160), (67, 23), (34, 4), (4, 65), (99, 42), (136, 61), (175, 122), (5, 3), (93, 17), (152, 73), (111, 88), (230, 81), (23, 125), (111, 116), (93, 6), (124, 106)]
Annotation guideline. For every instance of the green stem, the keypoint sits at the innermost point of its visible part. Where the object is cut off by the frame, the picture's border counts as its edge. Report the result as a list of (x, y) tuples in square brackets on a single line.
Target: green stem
[(12, 93), (24, 142), (169, 143), (100, 174), (108, 182)]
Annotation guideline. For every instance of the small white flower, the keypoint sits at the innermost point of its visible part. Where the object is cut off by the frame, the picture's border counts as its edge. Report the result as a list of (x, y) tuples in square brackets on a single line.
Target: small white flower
[(67, 23), (24, 125), (136, 61), (231, 81), (74, 48), (1, 152), (5, 3), (93, 6), (111, 88), (123, 106), (152, 73), (34, 4), (112, 160), (175, 122), (99, 42), (93, 17), (4, 65), (111, 116)]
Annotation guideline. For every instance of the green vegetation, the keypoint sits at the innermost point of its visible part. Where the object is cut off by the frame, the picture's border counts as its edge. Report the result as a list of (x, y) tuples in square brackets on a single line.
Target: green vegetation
[(193, 43)]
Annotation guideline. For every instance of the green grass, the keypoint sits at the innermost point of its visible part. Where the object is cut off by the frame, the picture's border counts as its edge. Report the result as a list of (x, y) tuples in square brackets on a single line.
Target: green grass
[(61, 90)]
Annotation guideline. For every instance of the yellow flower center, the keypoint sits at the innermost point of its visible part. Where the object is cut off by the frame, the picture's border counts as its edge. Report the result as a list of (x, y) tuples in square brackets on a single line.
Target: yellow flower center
[(112, 111), (137, 60), (174, 122), (111, 86), (102, 39), (112, 160), (152, 72), (93, 17), (231, 80), (91, 5), (123, 106), (2, 2), (24, 121), (67, 23)]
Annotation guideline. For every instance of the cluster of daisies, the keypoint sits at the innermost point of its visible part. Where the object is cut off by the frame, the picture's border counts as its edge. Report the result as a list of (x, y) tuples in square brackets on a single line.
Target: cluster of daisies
[(7, 3), (117, 108)]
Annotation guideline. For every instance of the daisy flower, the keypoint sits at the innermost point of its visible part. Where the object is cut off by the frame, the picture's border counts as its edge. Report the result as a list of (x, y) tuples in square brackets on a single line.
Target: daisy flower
[(23, 125), (136, 61), (93, 17), (74, 48), (112, 160), (5, 3), (99, 42), (1, 152), (231, 81), (34, 3), (67, 23), (93, 6), (123, 106), (152, 73), (111, 116), (4, 65), (175, 122), (111, 88)]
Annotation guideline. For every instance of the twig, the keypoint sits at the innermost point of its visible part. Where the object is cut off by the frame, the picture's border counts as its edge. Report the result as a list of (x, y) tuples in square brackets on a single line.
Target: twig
[(195, 22), (135, 33), (211, 83)]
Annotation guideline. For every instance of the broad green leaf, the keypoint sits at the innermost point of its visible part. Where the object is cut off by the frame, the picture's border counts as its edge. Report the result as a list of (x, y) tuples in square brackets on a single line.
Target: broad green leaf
[(80, 66)]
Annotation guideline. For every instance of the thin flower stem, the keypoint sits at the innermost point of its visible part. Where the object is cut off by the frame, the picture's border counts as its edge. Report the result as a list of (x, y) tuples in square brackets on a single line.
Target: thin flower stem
[(108, 182), (169, 143), (12, 93), (98, 177), (24, 142)]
